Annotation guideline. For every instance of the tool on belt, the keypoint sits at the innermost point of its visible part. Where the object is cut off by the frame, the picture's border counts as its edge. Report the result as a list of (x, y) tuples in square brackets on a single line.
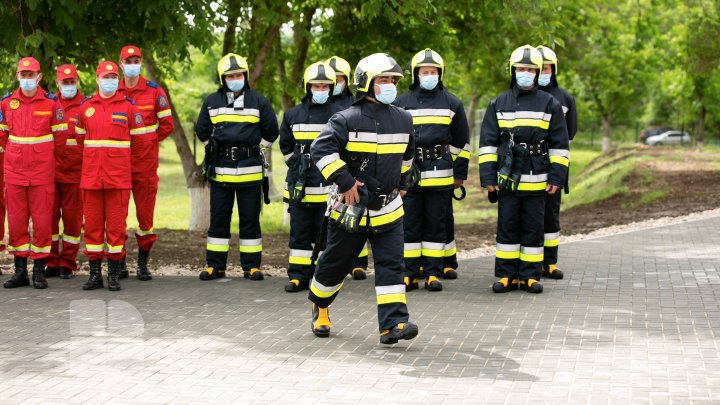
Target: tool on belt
[(297, 187), (211, 152), (266, 177)]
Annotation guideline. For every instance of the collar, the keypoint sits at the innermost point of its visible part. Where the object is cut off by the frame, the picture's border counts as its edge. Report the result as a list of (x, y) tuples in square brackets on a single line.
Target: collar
[(141, 85), (97, 99), (73, 101), (39, 94), (517, 91)]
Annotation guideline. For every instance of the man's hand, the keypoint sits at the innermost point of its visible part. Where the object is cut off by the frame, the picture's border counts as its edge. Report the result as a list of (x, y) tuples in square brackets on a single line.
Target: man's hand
[(402, 193), (490, 189), (458, 183), (351, 196), (552, 189)]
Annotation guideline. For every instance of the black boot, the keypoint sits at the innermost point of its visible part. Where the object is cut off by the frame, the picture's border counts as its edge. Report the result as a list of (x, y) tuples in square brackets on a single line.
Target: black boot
[(95, 281), (401, 331), (52, 272), (20, 278), (39, 281), (320, 325), (124, 273), (113, 274), (143, 274), (65, 273)]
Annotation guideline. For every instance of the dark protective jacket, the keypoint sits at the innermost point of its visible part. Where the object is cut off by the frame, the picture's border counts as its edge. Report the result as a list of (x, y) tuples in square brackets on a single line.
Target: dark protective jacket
[(380, 135), (345, 99), (438, 120), (248, 120), (531, 116), (300, 126), (567, 101)]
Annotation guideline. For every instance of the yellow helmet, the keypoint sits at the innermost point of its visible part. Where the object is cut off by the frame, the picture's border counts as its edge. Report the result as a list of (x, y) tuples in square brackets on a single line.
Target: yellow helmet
[(231, 63), (427, 57), (549, 56), (318, 72), (340, 66), (369, 67), (525, 56)]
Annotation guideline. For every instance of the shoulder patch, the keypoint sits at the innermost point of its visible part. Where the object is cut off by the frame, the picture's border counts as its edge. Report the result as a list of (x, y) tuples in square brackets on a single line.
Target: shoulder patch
[(130, 100), (50, 96), (85, 99), (162, 102), (152, 84), (59, 114), (138, 119)]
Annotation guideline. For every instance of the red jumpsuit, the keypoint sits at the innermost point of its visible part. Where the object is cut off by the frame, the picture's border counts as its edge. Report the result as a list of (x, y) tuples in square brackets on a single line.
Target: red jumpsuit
[(30, 128), (103, 130), (153, 104), (68, 200)]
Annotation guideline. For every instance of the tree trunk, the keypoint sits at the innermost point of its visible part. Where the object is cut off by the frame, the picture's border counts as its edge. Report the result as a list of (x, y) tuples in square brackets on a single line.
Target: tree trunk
[(259, 62), (471, 112), (701, 128), (229, 39), (606, 124), (198, 190)]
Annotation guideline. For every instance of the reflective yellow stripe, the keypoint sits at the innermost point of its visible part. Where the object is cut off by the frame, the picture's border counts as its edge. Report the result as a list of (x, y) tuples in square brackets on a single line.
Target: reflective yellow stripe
[(79, 131), (404, 169), (165, 113), (115, 249), (308, 198), (560, 160), (144, 233), (40, 249), (532, 186), (363, 253), (71, 239), (552, 242), (451, 251), (299, 260), (524, 122), (217, 248), (432, 120), (465, 154), (107, 143), (381, 149), (391, 299), (386, 218), (95, 248), (490, 157), (241, 178), (305, 136), (433, 253), (234, 118), (59, 127), (507, 255), (20, 248), (441, 181), (4, 127), (71, 142), (31, 139), (532, 258), (412, 253), (323, 294), (331, 168), (250, 249)]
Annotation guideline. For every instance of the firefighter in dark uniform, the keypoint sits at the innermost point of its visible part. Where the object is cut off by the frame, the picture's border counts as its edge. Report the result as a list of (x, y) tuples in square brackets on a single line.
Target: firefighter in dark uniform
[(367, 151), (344, 98), (548, 82), (523, 156), (237, 125), (441, 164), (305, 188)]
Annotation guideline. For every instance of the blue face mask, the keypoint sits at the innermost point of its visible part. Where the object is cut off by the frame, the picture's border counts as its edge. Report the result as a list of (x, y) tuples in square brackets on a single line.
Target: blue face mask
[(108, 86), (235, 85), (387, 94), (544, 79), (429, 82), (338, 89), (525, 79), (320, 97), (28, 85), (131, 70), (68, 91)]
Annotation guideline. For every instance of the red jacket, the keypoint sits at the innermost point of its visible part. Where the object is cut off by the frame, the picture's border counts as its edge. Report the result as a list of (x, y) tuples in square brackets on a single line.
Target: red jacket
[(68, 156), (153, 104), (103, 130), (29, 130)]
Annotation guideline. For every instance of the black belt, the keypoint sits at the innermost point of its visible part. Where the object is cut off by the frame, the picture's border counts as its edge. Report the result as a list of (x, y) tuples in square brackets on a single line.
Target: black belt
[(381, 200), (535, 149), (238, 152), (431, 153)]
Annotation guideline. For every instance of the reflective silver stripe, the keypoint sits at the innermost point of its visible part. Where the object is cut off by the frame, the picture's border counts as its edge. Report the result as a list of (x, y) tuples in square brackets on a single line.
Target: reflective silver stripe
[(288, 156), (218, 241), (232, 111), (372, 137), (236, 171), (327, 160), (393, 138), (307, 127), (250, 242), (265, 144), (536, 115), (101, 144), (487, 149), (205, 142), (455, 150), (301, 253), (551, 236), (433, 245), (450, 245), (390, 289), (432, 112), (507, 248), (434, 174), (395, 204), (559, 152), (412, 246), (532, 250), (323, 288), (316, 190), (565, 109), (407, 163), (533, 178)]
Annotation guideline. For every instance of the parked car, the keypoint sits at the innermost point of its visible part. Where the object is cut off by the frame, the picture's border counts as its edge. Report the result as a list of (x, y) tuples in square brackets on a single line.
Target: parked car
[(669, 138), (651, 131)]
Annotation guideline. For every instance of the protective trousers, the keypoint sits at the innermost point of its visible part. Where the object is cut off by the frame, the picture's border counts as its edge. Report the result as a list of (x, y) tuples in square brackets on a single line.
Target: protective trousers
[(24, 203), (425, 234), (2, 200), (340, 253), (519, 249), (67, 206), (105, 212), (552, 227), (450, 259), (362, 260), (305, 223), (222, 199), (144, 192)]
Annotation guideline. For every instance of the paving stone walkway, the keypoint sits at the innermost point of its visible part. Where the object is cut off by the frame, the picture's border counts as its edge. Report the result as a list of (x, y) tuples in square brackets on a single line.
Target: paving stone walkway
[(636, 320)]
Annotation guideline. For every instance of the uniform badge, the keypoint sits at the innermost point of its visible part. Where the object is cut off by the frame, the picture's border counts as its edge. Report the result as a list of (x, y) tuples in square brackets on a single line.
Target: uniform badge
[(89, 112), (26, 63), (162, 102), (138, 119), (131, 51), (66, 71), (59, 114), (14, 104)]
